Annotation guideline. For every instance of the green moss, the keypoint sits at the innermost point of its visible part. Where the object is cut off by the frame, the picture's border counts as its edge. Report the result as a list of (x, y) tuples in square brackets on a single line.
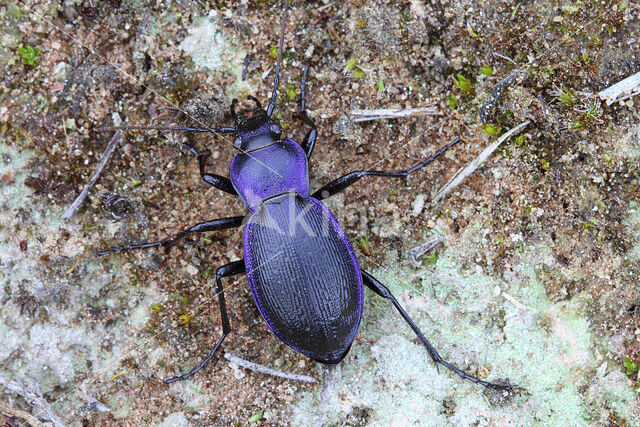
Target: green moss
[(351, 68), (545, 165), (255, 417), (463, 84), (363, 244), (292, 91), (452, 102), (566, 96), (630, 366), (490, 129), (486, 71), (29, 55)]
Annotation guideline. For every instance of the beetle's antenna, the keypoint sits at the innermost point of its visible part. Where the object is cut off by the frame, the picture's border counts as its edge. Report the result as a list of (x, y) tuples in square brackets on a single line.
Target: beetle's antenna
[(272, 103), (188, 129)]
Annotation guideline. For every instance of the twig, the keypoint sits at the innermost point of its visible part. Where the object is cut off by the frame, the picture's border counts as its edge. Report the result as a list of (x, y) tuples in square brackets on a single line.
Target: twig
[(33, 421), (30, 390), (475, 163), (622, 90), (326, 6), (517, 303), (264, 370), (543, 105), (365, 115), (504, 57), (115, 140), (414, 253)]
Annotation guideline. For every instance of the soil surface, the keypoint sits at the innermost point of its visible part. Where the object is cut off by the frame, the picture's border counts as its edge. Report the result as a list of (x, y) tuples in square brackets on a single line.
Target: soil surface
[(534, 282)]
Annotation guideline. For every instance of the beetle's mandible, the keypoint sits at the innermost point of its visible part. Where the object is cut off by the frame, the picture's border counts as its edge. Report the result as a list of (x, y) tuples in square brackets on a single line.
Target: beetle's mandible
[(302, 270)]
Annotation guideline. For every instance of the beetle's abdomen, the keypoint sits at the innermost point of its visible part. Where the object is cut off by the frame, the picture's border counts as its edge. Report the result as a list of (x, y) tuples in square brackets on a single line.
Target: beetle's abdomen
[(304, 276), (276, 169)]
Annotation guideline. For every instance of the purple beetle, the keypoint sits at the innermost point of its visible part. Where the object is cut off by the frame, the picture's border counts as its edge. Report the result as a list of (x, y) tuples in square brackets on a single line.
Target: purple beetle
[(302, 270)]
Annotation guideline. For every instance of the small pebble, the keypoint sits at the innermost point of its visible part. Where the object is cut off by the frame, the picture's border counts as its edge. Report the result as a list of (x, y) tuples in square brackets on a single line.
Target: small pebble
[(418, 205)]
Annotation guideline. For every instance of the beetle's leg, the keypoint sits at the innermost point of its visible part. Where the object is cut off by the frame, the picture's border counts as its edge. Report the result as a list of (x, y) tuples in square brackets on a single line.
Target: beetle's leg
[(352, 177), (231, 269), (220, 182), (310, 139), (234, 114), (172, 128), (276, 80), (215, 225), (377, 287)]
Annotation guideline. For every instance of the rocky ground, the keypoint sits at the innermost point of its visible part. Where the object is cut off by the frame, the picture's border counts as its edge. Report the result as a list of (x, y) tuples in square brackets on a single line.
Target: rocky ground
[(535, 279)]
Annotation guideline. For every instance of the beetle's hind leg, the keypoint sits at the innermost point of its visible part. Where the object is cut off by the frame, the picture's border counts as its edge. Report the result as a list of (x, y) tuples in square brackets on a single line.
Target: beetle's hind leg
[(220, 182), (231, 269), (310, 139), (377, 287)]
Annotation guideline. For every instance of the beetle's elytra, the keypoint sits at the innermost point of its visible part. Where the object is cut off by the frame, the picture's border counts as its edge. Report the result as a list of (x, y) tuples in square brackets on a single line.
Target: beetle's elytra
[(302, 270)]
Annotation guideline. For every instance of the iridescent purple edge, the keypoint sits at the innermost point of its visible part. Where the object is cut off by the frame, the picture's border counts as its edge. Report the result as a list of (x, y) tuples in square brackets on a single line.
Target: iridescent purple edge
[(354, 260)]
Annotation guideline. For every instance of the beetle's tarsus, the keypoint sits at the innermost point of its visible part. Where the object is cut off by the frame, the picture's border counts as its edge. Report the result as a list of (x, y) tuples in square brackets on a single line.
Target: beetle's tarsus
[(201, 365), (231, 269)]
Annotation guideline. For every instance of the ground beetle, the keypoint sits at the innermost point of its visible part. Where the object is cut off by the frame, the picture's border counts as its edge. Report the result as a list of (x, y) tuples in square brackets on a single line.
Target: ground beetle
[(301, 267)]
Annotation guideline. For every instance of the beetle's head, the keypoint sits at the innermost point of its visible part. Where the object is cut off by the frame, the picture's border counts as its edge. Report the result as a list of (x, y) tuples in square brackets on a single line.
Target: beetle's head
[(254, 129)]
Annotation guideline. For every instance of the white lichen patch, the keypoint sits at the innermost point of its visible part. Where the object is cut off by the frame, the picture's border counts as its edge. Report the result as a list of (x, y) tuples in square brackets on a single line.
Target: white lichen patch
[(633, 226), (54, 348), (50, 283), (498, 328), (177, 419), (206, 45), (209, 48)]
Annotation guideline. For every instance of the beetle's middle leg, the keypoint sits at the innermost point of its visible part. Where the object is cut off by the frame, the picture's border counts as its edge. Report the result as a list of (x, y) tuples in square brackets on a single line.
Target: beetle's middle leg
[(310, 138), (377, 287), (346, 180), (231, 269), (215, 225), (220, 182)]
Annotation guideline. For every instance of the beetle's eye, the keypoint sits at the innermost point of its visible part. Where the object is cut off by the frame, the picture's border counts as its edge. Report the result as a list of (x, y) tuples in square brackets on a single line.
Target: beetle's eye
[(237, 142), (276, 129)]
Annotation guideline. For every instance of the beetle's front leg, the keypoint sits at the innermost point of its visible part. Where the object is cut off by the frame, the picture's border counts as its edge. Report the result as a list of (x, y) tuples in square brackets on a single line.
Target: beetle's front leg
[(218, 181), (310, 139)]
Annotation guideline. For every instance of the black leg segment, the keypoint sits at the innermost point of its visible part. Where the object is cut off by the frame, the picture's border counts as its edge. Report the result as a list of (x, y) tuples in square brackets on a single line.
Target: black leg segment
[(176, 128), (377, 287), (215, 225), (220, 182), (350, 178), (310, 139), (231, 269)]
